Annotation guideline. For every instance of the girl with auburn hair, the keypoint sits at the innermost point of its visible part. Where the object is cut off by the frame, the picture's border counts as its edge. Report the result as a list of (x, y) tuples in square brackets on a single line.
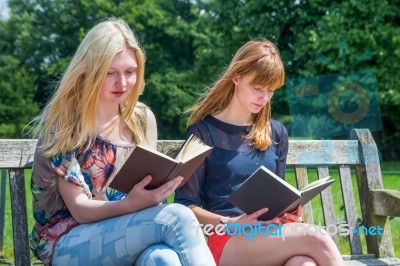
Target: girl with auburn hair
[(234, 116), (86, 132)]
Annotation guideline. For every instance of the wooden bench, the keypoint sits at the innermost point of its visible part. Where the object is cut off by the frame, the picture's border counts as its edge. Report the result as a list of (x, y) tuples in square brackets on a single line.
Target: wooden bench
[(305, 156)]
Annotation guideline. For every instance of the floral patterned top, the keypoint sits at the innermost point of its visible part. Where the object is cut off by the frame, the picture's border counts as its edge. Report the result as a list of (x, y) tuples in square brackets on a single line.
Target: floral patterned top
[(91, 169)]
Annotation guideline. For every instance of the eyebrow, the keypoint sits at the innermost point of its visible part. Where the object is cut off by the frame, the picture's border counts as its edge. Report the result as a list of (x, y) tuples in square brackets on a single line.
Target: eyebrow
[(265, 88), (130, 68)]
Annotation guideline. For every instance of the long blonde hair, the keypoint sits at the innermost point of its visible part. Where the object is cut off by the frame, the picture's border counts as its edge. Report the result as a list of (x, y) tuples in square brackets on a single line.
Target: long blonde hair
[(259, 58), (68, 120)]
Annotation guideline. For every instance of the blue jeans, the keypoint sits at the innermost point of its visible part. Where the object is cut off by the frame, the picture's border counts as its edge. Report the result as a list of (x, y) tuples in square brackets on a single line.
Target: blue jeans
[(166, 234)]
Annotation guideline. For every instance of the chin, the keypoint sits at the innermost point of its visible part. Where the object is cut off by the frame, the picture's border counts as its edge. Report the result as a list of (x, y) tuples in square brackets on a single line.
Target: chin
[(256, 111)]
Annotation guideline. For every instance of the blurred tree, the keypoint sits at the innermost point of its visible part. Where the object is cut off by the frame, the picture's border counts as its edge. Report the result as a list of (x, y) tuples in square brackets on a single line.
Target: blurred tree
[(354, 36), (167, 30), (188, 43), (43, 35), (17, 105), (47, 33)]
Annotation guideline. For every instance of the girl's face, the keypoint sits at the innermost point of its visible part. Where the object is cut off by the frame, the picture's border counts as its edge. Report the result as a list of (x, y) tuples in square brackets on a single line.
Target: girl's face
[(250, 98), (120, 79)]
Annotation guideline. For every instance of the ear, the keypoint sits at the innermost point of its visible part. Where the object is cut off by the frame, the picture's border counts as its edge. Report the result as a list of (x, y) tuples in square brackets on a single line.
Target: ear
[(236, 79)]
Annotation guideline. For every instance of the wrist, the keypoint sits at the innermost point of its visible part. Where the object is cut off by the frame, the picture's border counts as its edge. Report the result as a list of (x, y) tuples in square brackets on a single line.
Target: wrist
[(224, 220)]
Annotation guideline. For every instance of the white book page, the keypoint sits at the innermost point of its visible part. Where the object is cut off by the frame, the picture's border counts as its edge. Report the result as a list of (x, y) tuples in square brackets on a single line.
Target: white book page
[(192, 147), (316, 183)]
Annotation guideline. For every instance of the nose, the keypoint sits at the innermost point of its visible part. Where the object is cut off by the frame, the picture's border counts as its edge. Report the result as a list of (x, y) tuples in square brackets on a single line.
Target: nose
[(266, 96), (121, 82)]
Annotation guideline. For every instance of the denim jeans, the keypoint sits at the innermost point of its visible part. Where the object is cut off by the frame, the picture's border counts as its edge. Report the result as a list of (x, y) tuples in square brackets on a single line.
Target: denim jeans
[(166, 234)]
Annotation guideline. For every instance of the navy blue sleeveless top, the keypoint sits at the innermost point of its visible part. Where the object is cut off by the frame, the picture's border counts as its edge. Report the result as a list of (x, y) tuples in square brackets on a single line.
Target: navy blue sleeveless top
[(231, 162)]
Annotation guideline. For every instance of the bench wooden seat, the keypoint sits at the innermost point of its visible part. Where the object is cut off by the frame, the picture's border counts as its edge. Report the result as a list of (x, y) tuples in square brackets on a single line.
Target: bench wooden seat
[(359, 154)]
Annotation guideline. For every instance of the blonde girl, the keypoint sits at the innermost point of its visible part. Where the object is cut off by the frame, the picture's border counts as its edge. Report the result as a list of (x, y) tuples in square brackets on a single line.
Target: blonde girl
[(86, 132)]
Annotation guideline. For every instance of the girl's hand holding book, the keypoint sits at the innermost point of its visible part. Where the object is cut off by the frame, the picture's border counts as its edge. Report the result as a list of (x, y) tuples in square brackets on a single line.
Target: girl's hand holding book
[(253, 218), (293, 217), (147, 198)]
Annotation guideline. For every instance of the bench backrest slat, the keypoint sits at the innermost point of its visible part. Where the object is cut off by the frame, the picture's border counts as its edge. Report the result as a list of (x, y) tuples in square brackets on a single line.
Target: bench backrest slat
[(302, 180), (19, 217), (17, 153), (2, 204), (328, 210), (323, 152), (350, 208), (369, 177)]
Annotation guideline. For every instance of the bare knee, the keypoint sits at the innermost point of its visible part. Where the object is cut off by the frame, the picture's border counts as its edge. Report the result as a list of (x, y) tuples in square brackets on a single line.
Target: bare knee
[(324, 241), (320, 245), (325, 247), (300, 261), (314, 236)]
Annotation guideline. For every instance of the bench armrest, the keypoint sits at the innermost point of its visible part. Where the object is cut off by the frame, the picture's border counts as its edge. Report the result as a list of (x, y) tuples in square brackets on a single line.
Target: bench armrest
[(386, 202)]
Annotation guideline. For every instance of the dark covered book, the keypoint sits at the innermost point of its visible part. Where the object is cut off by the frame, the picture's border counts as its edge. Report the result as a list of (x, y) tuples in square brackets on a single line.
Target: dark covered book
[(265, 189), (145, 161)]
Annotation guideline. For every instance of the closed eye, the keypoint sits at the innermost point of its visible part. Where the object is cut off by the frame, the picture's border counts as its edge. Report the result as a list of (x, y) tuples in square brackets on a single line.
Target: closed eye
[(131, 70)]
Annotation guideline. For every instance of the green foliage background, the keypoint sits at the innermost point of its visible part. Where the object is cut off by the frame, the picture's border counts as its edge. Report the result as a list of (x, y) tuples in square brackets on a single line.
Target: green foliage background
[(188, 43)]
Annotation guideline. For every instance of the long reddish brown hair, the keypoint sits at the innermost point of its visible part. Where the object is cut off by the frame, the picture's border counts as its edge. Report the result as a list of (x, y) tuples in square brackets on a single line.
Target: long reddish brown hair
[(259, 58)]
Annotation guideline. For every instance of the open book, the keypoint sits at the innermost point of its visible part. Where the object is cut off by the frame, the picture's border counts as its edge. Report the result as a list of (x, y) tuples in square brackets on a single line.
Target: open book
[(265, 189), (145, 161)]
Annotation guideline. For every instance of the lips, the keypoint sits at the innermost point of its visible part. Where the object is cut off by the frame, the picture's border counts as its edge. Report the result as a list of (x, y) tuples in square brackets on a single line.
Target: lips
[(118, 93)]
